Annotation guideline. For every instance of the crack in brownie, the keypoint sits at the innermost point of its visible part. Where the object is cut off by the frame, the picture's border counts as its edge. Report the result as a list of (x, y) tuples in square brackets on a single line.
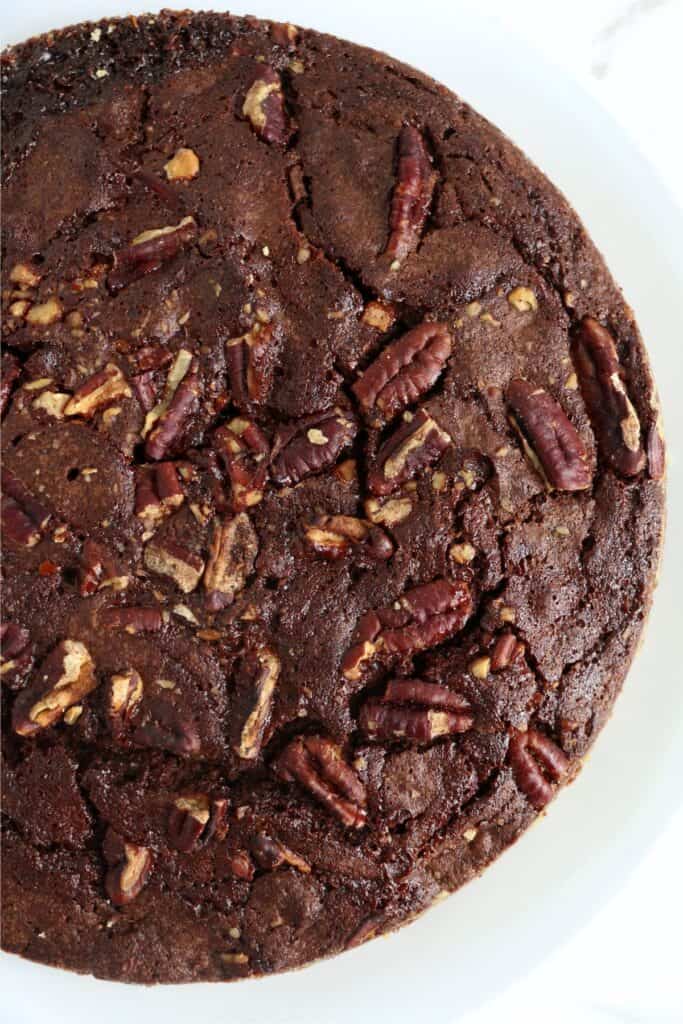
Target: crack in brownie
[(332, 478)]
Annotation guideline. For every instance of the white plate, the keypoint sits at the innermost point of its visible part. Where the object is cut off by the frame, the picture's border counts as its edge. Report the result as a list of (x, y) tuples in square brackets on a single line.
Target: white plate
[(464, 950)]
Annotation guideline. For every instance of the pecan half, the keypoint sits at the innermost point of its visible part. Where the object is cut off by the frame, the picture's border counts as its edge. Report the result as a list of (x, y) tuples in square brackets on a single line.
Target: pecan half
[(133, 619), (404, 371), (550, 439), (158, 492), (194, 819), (125, 694), (232, 554), (271, 853), (243, 449), (332, 537), (415, 710), (129, 868), (533, 757), (264, 106), (65, 677), (255, 688), (249, 360), (149, 251), (318, 764), (412, 195), (615, 421), (415, 444), (17, 654), (98, 391), (166, 558), (166, 420), (426, 616), (311, 445)]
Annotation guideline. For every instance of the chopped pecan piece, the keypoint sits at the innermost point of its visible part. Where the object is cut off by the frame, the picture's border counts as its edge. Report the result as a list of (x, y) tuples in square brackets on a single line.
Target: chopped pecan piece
[(389, 512), (249, 359), (243, 449), (505, 650), (163, 726), (166, 558), (242, 866), (416, 443), (615, 421), (233, 550), (264, 106), (403, 372), (415, 710), (256, 682), (17, 654), (132, 619), (166, 420), (98, 569), (318, 764), (271, 853), (65, 677), (125, 694), (380, 315), (426, 616), (533, 757), (194, 819), (158, 492), (412, 195), (183, 165), (332, 537), (11, 370), (550, 439), (149, 251), (311, 445), (25, 515), (129, 868), (98, 391)]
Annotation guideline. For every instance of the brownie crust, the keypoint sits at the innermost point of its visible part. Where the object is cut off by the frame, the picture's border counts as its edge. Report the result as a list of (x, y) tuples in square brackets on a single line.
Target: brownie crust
[(332, 496)]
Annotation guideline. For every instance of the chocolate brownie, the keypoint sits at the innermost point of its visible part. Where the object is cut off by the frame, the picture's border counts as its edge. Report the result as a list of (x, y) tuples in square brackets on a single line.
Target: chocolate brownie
[(332, 496)]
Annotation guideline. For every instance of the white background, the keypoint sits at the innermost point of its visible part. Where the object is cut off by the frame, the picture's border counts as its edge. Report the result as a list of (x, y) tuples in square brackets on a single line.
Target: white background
[(625, 964)]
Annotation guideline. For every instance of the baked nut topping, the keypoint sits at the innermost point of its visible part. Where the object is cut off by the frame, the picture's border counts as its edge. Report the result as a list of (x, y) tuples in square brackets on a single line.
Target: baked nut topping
[(182, 166), (233, 549), (614, 419), (64, 678), (414, 710), (412, 195), (549, 438), (417, 443), (403, 372), (332, 496), (317, 764), (129, 869)]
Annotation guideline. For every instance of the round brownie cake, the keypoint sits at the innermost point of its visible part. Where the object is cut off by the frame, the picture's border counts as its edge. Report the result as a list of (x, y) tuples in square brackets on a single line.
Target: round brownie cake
[(332, 501)]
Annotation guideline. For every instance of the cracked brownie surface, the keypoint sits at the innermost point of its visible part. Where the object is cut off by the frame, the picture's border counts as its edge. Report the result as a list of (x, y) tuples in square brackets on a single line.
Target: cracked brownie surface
[(332, 481)]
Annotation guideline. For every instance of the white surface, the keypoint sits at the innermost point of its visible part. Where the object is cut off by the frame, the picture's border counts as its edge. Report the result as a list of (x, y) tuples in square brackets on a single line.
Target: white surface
[(625, 964)]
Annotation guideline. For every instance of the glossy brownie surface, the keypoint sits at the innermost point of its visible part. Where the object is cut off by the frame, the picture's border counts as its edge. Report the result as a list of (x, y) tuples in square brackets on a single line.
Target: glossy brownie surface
[(332, 480)]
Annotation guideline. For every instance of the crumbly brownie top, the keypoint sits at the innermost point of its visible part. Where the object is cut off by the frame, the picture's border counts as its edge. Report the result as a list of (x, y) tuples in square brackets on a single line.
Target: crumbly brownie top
[(332, 495)]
